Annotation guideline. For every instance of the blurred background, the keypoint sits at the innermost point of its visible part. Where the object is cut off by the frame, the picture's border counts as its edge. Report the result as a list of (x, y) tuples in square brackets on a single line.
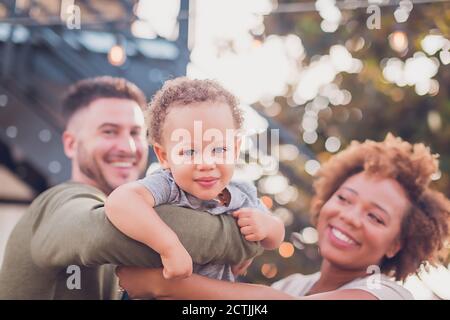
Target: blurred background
[(322, 73)]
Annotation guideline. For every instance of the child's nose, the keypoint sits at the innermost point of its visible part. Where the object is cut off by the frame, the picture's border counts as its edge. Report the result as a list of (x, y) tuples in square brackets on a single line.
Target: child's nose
[(208, 163)]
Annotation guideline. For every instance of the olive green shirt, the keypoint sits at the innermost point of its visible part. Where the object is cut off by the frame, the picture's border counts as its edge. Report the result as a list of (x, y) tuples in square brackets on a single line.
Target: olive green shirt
[(64, 247)]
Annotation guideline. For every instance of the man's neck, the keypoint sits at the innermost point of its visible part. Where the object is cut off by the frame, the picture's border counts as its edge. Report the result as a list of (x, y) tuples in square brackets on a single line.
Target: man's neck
[(85, 180)]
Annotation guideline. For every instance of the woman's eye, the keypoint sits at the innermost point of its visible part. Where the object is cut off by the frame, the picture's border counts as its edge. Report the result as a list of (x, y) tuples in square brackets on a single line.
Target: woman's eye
[(342, 198), (375, 218)]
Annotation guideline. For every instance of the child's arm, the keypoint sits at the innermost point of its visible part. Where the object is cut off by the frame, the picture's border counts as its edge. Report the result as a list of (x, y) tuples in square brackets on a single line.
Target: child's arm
[(130, 209), (260, 226)]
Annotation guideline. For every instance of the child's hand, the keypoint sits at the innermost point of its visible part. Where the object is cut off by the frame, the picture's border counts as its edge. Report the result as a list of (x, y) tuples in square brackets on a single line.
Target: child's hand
[(254, 224), (177, 263), (241, 269)]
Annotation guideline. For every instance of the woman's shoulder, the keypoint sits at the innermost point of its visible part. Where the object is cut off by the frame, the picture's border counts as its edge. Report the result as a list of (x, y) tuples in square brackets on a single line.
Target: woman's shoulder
[(296, 284), (381, 286)]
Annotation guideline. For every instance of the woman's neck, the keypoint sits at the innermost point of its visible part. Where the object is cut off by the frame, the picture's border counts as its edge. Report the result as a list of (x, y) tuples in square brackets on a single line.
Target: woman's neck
[(332, 277)]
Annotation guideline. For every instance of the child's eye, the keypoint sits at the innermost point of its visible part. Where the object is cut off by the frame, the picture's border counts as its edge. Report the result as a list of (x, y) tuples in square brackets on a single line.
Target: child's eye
[(219, 150), (188, 153)]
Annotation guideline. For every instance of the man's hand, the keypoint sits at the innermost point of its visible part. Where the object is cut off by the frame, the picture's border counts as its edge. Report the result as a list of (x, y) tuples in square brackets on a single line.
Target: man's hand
[(177, 263), (254, 224)]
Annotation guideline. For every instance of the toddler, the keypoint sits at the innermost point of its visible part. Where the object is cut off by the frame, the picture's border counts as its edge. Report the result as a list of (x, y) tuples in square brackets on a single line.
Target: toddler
[(192, 126)]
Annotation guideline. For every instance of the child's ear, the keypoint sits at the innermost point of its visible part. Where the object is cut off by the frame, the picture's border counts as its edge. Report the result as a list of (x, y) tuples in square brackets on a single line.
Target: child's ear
[(161, 154)]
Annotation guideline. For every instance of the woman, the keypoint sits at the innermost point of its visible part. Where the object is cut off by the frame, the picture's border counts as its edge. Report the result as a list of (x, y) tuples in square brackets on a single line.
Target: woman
[(373, 210)]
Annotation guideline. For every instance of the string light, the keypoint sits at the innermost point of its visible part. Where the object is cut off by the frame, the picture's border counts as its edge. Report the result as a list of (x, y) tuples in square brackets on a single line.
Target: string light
[(117, 55), (183, 14)]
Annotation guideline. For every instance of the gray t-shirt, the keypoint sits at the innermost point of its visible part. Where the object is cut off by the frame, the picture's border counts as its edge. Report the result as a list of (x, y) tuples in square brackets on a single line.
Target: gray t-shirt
[(165, 191), (383, 288)]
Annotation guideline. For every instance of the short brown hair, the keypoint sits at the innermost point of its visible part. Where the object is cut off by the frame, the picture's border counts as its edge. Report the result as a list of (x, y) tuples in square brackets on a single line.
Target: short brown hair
[(84, 92), (425, 227), (183, 91)]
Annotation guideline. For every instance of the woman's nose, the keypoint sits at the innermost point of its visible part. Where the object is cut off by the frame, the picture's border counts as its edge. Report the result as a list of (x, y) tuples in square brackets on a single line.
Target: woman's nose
[(351, 216)]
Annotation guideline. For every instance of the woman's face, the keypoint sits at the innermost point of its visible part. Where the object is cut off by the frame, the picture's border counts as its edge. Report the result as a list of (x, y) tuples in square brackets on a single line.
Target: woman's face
[(360, 223)]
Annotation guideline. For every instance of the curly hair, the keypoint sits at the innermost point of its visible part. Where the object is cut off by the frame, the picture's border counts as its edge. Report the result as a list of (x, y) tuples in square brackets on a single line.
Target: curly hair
[(183, 91), (84, 92), (425, 227)]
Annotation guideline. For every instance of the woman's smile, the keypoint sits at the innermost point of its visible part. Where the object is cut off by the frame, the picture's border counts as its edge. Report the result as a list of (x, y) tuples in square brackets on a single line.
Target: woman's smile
[(341, 239)]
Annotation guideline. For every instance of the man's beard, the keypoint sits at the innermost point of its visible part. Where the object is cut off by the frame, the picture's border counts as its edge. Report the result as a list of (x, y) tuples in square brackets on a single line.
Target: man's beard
[(91, 169)]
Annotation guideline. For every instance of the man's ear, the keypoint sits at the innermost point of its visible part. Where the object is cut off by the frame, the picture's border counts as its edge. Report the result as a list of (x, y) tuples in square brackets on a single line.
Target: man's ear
[(161, 154), (69, 142), (394, 249)]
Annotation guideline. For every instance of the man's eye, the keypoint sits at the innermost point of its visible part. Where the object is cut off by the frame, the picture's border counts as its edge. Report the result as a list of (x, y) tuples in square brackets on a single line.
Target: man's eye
[(109, 132)]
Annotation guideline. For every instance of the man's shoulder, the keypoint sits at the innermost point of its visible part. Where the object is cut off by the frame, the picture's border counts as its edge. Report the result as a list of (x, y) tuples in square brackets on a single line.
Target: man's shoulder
[(69, 189)]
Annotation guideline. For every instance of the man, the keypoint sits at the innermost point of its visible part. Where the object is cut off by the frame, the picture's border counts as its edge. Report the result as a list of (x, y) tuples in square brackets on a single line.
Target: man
[(64, 247)]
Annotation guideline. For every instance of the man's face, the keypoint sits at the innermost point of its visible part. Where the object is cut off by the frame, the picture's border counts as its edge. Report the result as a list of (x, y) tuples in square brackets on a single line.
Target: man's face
[(106, 142)]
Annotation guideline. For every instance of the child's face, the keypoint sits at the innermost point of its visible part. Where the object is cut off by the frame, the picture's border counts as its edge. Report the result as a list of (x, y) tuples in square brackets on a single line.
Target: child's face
[(200, 147)]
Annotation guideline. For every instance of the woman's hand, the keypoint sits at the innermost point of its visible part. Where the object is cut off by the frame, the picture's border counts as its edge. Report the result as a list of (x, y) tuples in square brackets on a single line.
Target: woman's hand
[(150, 283), (142, 283)]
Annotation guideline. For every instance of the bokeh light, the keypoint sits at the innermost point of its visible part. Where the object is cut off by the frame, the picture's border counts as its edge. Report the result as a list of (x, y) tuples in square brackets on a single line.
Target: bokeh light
[(269, 270), (117, 55), (286, 250)]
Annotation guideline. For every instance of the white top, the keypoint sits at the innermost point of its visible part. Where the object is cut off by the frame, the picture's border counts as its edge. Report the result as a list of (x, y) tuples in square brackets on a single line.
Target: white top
[(382, 287)]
